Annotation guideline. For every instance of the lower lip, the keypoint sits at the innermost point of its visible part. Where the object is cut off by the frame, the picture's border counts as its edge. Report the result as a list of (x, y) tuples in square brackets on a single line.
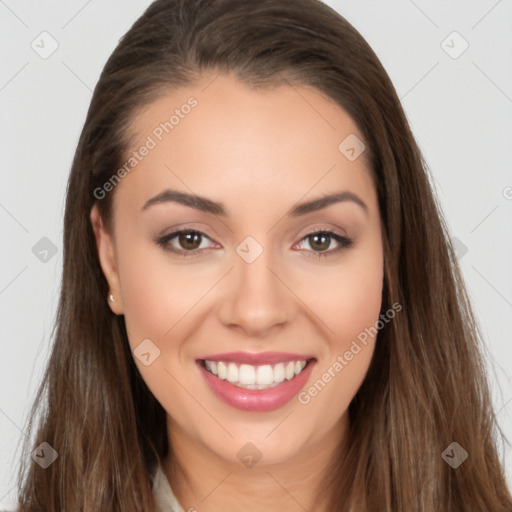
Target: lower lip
[(257, 400)]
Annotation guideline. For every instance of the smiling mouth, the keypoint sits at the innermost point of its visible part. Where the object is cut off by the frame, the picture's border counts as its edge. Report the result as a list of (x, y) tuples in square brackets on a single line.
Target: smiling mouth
[(258, 377)]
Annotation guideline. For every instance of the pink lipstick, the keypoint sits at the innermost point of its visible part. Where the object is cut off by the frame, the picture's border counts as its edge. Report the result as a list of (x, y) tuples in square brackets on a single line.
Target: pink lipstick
[(256, 382)]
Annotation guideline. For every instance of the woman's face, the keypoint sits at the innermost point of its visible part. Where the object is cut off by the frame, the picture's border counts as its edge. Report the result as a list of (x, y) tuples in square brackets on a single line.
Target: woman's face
[(247, 292)]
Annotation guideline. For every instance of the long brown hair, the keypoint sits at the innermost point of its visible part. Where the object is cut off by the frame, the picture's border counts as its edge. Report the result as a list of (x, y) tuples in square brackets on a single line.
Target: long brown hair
[(426, 386)]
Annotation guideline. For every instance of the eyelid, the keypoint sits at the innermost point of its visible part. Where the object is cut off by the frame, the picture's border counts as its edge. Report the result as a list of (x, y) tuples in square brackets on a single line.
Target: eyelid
[(176, 230)]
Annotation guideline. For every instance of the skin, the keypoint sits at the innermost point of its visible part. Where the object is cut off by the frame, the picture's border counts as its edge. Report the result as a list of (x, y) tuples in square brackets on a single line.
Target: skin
[(259, 153)]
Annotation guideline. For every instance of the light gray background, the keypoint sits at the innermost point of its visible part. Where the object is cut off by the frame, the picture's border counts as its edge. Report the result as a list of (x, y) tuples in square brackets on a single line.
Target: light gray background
[(460, 110)]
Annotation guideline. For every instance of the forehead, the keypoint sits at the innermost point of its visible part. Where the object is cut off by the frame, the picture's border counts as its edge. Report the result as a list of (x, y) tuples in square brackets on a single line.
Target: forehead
[(220, 135)]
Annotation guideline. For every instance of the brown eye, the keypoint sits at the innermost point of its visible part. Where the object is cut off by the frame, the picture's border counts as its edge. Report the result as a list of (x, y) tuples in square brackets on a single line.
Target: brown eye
[(189, 240), (320, 241), (184, 241)]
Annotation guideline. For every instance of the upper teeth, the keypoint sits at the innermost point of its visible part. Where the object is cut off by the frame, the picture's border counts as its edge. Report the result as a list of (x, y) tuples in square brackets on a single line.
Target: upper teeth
[(255, 377)]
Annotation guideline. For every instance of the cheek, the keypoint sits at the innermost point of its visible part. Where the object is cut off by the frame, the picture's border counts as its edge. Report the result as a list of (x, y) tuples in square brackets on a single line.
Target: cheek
[(144, 295), (360, 300), (347, 297), (157, 297), (352, 312), (157, 293)]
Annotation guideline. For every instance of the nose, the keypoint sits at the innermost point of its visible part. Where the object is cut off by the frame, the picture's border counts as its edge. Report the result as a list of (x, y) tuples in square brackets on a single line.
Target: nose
[(256, 298)]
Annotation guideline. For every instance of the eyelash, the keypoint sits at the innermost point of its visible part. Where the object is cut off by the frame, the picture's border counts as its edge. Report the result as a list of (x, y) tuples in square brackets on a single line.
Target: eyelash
[(344, 242)]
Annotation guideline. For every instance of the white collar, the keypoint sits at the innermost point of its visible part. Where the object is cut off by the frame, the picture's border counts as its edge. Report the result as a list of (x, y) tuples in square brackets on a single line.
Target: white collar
[(164, 497)]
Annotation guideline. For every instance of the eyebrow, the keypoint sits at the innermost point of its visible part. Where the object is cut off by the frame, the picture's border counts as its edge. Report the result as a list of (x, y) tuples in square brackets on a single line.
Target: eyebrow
[(207, 205)]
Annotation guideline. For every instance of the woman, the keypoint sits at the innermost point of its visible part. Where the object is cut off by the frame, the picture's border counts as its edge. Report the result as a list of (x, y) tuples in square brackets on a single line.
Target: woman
[(260, 306)]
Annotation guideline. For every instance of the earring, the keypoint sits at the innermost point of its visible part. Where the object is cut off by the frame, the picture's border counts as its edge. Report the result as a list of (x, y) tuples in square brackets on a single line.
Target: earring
[(111, 298)]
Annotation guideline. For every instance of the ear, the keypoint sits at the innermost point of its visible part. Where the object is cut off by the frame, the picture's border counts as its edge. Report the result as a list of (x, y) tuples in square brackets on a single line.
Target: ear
[(107, 257)]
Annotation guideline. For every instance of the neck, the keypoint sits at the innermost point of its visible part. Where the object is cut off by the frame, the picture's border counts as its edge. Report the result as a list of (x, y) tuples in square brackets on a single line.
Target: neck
[(203, 480)]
